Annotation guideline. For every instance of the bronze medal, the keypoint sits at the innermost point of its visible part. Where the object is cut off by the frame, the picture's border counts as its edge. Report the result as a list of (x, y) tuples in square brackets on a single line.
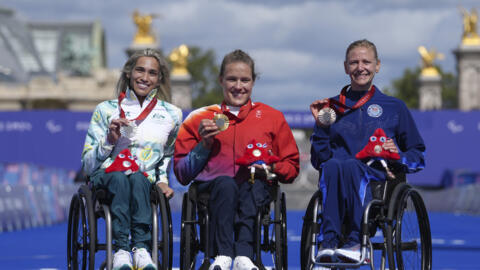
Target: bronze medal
[(221, 121), (327, 116)]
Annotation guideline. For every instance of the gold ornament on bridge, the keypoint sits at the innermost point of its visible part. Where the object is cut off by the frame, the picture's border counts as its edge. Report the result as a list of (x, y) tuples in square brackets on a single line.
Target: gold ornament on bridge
[(178, 57), (144, 34), (428, 59), (470, 35)]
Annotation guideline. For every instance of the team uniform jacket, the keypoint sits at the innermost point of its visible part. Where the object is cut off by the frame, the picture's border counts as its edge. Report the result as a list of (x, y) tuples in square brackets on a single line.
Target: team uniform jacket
[(152, 145), (254, 121), (351, 132)]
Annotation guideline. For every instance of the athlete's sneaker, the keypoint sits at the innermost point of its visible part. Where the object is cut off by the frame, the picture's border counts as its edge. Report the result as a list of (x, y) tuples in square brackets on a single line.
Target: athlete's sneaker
[(142, 259), (325, 255), (122, 260), (326, 251), (350, 252), (221, 263), (243, 263)]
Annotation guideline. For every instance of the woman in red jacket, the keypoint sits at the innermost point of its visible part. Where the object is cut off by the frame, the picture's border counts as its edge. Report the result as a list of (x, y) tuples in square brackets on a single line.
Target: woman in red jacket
[(206, 154)]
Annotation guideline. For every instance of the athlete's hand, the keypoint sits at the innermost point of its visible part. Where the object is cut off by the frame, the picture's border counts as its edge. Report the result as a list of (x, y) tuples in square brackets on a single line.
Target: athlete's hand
[(168, 191), (114, 129), (207, 130), (316, 106), (390, 146)]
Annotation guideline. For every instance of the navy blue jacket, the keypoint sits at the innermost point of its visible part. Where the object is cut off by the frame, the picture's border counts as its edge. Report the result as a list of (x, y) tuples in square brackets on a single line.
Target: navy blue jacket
[(351, 132)]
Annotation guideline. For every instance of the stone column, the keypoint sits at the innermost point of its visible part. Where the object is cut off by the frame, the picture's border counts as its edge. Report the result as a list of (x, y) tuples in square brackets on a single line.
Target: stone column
[(468, 66), (181, 91), (430, 92), (12, 97)]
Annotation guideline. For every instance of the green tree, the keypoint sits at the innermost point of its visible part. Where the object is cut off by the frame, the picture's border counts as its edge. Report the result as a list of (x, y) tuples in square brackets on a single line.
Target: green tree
[(204, 71), (407, 88), (449, 90)]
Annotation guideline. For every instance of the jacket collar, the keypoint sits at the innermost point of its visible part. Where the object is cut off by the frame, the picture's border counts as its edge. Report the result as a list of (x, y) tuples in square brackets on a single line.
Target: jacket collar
[(131, 98), (242, 114)]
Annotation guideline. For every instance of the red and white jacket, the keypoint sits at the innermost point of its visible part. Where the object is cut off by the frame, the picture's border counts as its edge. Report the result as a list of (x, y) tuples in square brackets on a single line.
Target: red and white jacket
[(254, 121)]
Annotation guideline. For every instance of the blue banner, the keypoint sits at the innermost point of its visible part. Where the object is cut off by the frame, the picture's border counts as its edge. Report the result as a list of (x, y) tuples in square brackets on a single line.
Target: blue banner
[(56, 138), (50, 138)]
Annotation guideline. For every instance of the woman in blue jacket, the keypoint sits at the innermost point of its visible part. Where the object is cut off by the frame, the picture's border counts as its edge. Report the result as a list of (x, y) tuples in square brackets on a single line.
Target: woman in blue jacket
[(360, 108)]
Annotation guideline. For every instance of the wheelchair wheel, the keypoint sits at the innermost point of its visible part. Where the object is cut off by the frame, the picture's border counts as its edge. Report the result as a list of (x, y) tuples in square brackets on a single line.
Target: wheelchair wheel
[(307, 240), (188, 239), (165, 235), (81, 231), (412, 233), (280, 216)]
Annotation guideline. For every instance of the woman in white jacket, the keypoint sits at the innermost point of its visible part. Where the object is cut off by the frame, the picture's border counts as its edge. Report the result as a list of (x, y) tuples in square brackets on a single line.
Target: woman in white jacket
[(141, 121)]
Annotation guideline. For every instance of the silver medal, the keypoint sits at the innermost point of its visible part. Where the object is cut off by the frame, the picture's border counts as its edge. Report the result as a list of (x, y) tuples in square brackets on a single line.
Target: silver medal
[(327, 116), (129, 131)]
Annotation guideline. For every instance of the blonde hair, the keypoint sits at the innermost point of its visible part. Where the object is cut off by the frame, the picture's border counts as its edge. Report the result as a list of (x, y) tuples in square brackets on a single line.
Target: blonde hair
[(362, 43)]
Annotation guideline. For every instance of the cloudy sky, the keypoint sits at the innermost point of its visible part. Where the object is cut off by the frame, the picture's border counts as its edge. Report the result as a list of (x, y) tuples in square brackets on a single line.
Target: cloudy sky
[(298, 46)]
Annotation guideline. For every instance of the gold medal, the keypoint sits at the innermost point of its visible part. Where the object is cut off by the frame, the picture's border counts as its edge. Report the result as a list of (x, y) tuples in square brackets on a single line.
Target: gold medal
[(327, 116), (221, 121)]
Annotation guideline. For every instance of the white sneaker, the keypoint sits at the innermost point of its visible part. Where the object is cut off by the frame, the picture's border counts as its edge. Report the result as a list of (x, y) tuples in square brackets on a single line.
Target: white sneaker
[(351, 254), (243, 263), (142, 259), (221, 262), (122, 260), (325, 255)]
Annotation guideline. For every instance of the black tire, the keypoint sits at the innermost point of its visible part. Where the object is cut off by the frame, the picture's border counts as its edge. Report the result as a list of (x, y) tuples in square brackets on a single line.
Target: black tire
[(187, 235), (306, 241), (391, 227), (81, 236), (76, 217), (412, 233), (284, 232), (277, 216), (165, 232)]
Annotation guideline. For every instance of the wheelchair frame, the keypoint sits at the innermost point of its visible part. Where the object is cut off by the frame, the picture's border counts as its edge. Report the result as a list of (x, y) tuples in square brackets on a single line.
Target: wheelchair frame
[(393, 200), (195, 212), (88, 205)]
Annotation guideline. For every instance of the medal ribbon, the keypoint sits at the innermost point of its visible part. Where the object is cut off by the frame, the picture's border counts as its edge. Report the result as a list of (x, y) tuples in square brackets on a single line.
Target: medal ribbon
[(144, 113), (341, 104), (242, 114)]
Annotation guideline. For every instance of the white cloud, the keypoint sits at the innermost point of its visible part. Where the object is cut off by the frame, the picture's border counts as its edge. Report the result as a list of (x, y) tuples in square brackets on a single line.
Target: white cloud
[(285, 64), (297, 45), (291, 95)]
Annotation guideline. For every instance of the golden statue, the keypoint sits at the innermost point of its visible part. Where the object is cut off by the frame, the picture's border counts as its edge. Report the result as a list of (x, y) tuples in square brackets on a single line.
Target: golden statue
[(144, 34), (470, 35), (428, 59), (179, 59)]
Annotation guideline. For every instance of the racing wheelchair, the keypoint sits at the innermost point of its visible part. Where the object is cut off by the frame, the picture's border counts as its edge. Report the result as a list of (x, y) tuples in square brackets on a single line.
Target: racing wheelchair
[(195, 227), (88, 205), (397, 210)]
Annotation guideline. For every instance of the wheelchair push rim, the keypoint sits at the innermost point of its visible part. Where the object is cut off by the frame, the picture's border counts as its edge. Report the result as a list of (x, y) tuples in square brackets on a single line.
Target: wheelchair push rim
[(164, 232), (81, 231), (308, 239), (280, 216), (413, 244), (188, 239)]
